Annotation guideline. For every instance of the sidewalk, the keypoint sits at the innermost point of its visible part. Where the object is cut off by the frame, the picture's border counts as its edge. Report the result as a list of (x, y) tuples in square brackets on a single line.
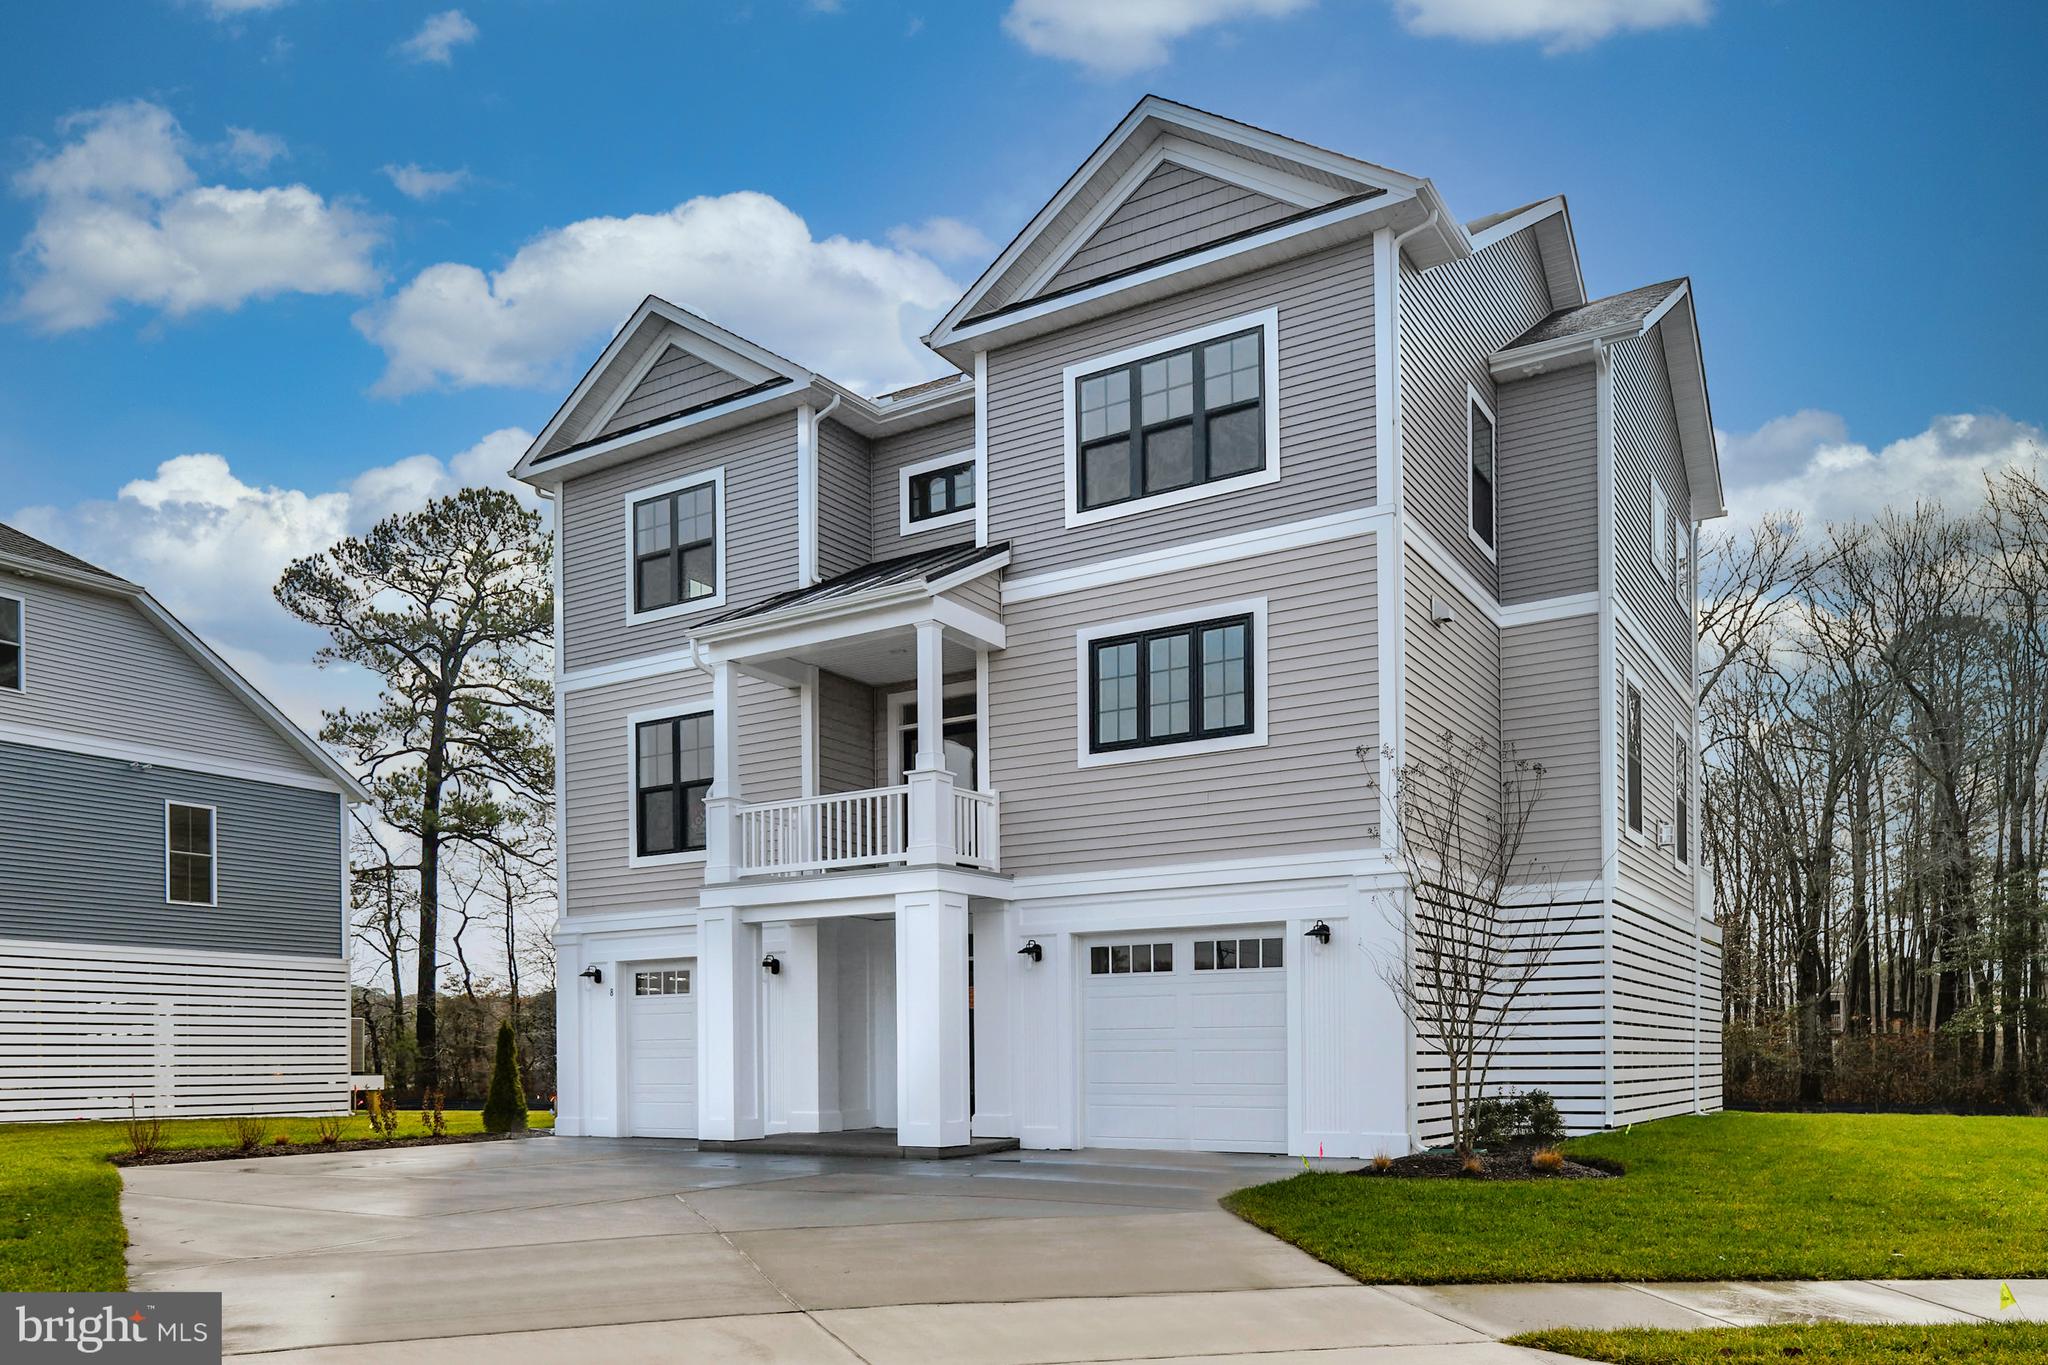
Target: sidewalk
[(1502, 1310)]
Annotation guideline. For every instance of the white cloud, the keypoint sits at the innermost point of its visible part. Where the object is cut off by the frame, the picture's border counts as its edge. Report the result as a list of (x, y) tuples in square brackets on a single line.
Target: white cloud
[(121, 218), (209, 545), (251, 151), (439, 37), (943, 239), (853, 309), (1131, 35), (1560, 25), (234, 9), (415, 181), (1806, 463)]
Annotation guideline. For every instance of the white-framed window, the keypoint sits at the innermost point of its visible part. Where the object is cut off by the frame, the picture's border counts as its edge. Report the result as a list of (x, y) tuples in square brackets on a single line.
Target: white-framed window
[(1681, 796), (1632, 755), (1183, 682), (960, 741), (662, 981), (1661, 540), (191, 864), (13, 643), (670, 755), (1482, 492), (935, 493), (1179, 418), (675, 546)]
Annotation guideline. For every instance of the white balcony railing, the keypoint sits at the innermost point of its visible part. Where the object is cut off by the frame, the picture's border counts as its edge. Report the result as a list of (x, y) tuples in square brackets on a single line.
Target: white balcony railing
[(974, 827), (853, 829)]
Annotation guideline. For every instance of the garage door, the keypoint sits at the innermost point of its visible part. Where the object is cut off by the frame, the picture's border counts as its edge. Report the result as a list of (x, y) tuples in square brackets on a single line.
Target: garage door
[(661, 1051), (1185, 1041)]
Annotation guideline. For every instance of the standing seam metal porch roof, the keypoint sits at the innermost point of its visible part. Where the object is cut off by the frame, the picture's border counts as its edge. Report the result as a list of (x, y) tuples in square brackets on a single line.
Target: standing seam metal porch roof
[(922, 567)]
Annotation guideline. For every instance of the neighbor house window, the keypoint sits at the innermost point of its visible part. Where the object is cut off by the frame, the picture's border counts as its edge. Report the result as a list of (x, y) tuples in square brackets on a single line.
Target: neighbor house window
[(1681, 788), (1634, 721), (1480, 441), (671, 774), (13, 644), (941, 492), (675, 548), (1171, 421), (1171, 685), (188, 854)]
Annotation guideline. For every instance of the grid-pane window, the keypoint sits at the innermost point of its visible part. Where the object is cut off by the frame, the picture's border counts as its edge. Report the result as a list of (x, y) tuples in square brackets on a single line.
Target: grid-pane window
[(1681, 788), (1164, 686), (941, 492), (1482, 474), (12, 644), (1634, 719), (1199, 417), (1119, 959), (663, 981), (675, 548), (671, 774), (188, 855), (1238, 954)]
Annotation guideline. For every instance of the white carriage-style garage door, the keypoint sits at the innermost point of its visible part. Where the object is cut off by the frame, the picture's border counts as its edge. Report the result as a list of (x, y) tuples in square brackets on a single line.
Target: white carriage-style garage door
[(1184, 1041), (661, 1051)]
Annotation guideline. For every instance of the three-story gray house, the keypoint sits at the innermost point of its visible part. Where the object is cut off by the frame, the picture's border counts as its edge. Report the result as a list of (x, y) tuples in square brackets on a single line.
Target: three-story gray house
[(173, 866), (984, 758)]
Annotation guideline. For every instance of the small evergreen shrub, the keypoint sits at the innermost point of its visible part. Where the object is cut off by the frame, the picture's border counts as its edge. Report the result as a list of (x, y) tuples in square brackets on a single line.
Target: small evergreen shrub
[(1493, 1122), (1541, 1122), (505, 1108)]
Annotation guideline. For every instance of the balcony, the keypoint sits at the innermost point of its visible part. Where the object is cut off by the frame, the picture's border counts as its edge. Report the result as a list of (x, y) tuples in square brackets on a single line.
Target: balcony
[(861, 829)]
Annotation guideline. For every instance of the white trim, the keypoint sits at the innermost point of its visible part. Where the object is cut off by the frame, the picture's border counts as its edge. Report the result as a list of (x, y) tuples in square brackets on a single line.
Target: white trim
[(1472, 400), (1609, 702), (1662, 548), (1197, 554), (981, 447), (904, 525), (1386, 343), (637, 668), (1654, 653), (1393, 668), (806, 503), (1267, 321), (1508, 227), (21, 628), (670, 711), (716, 478), (1446, 564), (807, 728), (212, 901), (1681, 782), (1631, 681), (561, 718), (896, 703), (1255, 607), (122, 751), (1548, 609)]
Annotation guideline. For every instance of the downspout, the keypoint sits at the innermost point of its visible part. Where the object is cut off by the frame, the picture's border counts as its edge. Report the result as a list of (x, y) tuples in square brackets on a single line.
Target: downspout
[(807, 491)]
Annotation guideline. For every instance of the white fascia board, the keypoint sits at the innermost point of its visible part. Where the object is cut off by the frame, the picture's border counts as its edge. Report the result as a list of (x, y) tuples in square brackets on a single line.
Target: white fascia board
[(1526, 361), (898, 609), (122, 751), (1508, 227)]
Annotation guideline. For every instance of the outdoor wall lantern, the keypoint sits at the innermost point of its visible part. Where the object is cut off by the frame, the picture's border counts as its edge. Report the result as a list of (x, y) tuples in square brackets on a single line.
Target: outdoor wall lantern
[(772, 965), (594, 975), (1320, 932), (1032, 950)]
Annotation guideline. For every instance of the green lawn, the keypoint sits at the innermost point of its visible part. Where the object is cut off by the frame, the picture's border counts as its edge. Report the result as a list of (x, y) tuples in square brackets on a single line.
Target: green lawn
[(60, 1199), (1833, 1343), (1742, 1196)]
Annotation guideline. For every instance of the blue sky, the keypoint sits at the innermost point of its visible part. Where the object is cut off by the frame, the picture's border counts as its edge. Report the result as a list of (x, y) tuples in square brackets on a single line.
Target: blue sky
[(214, 253)]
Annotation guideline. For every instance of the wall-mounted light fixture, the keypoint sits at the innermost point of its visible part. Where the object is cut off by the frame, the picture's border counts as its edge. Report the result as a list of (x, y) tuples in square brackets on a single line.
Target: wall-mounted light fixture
[(772, 965), (1032, 950), (1320, 932), (594, 975)]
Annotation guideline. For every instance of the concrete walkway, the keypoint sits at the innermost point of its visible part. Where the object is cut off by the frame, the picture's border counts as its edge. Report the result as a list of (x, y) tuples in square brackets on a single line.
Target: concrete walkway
[(585, 1248)]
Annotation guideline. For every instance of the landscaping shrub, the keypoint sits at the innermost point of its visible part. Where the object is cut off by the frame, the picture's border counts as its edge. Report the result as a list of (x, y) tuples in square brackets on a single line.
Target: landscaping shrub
[(245, 1131), (1501, 1121), (327, 1129), (383, 1118), (145, 1132), (1547, 1160), (281, 1140), (433, 1114), (505, 1110), (1541, 1123)]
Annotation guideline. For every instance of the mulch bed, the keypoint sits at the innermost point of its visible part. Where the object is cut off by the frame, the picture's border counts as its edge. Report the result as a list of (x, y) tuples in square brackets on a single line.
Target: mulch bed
[(1512, 1164), (180, 1155)]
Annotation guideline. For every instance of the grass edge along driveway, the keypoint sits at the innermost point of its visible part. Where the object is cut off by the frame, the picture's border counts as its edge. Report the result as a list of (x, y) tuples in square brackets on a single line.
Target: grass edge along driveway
[(1706, 1197), (1825, 1343), (60, 1197)]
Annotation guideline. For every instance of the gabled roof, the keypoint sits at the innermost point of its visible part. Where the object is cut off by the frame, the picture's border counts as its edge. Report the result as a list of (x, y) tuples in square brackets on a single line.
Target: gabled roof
[(927, 570), (23, 554), (1556, 244), (1624, 312)]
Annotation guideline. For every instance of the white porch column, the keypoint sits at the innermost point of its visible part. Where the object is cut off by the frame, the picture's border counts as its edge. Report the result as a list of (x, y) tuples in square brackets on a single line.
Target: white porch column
[(723, 799), (931, 785), (728, 1041), (809, 1039), (931, 1019)]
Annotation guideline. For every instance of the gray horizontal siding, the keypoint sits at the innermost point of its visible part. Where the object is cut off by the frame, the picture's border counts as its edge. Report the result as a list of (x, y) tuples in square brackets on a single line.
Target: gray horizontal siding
[(1645, 450), (1325, 302), (891, 454), (1173, 210), (845, 540), (760, 538), (95, 829), (1550, 714), (604, 388), (846, 735), (1453, 690), (1304, 791), (677, 381), (98, 667), (1648, 875), (1549, 452), (1453, 318)]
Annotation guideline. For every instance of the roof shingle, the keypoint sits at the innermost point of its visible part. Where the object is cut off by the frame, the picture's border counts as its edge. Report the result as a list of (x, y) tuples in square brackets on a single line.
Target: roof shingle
[(1598, 315), (22, 545)]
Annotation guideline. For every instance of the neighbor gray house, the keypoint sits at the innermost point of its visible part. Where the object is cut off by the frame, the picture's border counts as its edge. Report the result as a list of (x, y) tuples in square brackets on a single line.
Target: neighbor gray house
[(173, 866), (1011, 755)]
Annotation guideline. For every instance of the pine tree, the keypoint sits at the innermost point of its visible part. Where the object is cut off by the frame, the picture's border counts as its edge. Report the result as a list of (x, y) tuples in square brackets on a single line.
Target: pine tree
[(505, 1109)]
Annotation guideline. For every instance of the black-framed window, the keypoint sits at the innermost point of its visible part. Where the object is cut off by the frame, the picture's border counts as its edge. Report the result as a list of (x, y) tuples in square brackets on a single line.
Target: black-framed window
[(1238, 954), (13, 645), (1171, 685), (941, 492), (675, 548), (1116, 959), (1634, 719), (1681, 807), (1172, 421), (671, 774), (1482, 474), (662, 981), (188, 854)]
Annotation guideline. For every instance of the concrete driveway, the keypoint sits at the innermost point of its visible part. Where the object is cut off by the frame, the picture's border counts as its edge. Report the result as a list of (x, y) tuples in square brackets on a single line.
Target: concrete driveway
[(590, 1248)]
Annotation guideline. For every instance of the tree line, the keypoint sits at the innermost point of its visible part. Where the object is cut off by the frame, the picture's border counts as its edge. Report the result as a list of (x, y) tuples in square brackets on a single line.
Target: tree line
[(1875, 712)]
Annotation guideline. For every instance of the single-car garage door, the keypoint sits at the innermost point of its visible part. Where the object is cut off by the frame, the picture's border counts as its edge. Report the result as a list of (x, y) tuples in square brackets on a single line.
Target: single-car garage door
[(1185, 1041), (661, 1051)]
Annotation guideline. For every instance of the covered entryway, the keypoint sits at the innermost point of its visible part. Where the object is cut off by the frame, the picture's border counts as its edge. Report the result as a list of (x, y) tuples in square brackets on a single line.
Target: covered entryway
[(1184, 1040), (661, 1050)]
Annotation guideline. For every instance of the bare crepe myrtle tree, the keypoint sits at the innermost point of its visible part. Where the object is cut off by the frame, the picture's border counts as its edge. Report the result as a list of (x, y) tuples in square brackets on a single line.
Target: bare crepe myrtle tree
[(1476, 918)]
